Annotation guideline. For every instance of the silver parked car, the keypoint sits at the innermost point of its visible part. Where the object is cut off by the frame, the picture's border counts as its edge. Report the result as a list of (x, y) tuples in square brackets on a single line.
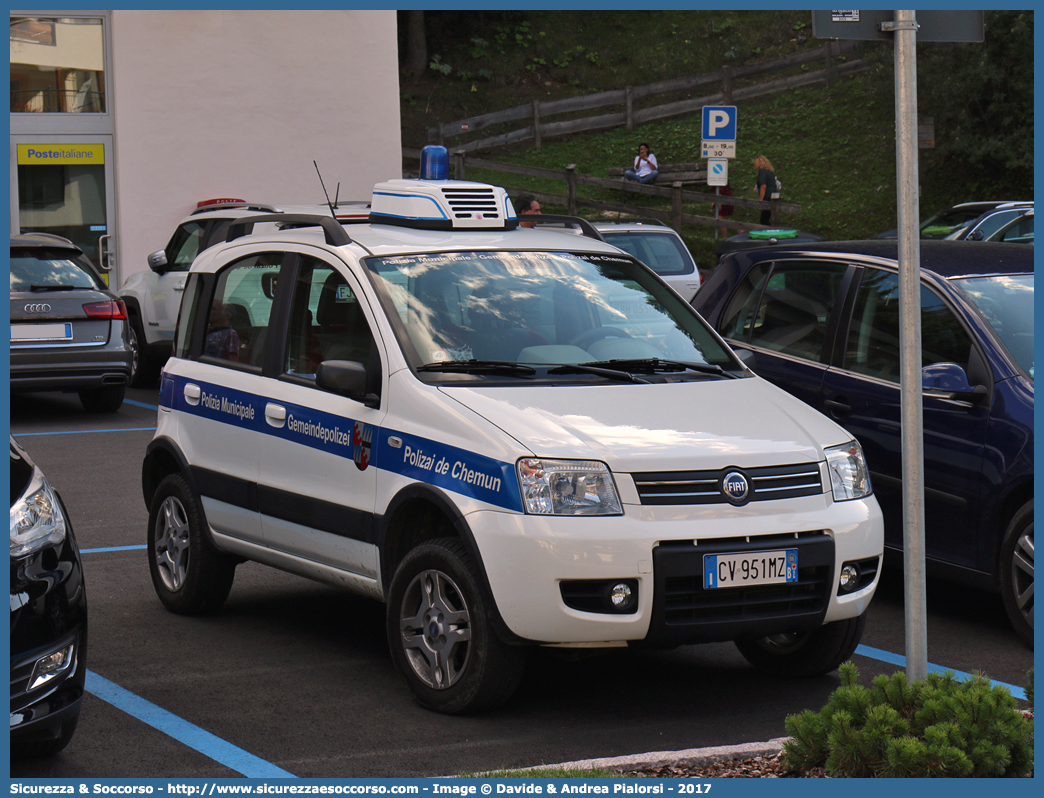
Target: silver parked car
[(68, 330)]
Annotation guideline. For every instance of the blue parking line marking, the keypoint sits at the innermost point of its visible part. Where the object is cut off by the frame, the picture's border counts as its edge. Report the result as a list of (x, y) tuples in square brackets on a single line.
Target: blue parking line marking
[(114, 548), (83, 431), (140, 404), (184, 732), (899, 659)]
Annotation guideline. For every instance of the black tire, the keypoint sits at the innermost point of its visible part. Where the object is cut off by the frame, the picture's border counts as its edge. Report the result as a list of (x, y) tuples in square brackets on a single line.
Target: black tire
[(804, 653), (189, 575), (1016, 572), (441, 635), (25, 749), (144, 369), (103, 400)]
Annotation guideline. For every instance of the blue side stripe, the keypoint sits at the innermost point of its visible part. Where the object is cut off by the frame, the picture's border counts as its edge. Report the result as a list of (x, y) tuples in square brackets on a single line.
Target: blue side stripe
[(184, 732), (114, 548), (900, 660), (424, 460)]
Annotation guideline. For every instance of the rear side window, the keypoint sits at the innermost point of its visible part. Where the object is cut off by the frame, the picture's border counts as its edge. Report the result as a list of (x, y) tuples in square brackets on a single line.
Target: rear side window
[(241, 308), (664, 254), (46, 268), (788, 311)]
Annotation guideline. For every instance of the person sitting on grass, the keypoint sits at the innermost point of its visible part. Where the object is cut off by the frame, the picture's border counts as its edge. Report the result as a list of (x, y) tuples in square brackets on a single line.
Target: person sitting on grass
[(645, 166)]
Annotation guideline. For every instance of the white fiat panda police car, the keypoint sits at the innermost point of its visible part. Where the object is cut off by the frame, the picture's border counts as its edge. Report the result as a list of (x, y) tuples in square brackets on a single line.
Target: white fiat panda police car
[(511, 436)]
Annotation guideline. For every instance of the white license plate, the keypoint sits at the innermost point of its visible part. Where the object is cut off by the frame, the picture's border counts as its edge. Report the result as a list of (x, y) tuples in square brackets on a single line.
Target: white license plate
[(750, 568), (42, 332)]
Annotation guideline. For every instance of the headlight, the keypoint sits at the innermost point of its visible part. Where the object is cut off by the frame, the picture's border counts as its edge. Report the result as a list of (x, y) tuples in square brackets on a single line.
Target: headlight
[(849, 477), (36, 520), (567, 487)]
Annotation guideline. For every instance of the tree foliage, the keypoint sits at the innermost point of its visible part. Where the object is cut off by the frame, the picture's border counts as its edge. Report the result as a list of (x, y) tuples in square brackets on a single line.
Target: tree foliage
[(981, 97)]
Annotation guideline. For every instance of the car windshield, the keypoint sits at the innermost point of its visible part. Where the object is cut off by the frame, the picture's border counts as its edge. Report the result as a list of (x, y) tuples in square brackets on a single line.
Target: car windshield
[(43, 268), (1006, 301), (479, 310), (661, 252)]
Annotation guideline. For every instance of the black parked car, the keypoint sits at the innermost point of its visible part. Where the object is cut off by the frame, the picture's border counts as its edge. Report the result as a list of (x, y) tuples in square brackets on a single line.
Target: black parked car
[(68, 330), (48, 615), (821, 321)]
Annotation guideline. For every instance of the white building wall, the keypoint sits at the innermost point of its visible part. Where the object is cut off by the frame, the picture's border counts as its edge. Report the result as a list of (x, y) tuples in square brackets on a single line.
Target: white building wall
[(238, 104)]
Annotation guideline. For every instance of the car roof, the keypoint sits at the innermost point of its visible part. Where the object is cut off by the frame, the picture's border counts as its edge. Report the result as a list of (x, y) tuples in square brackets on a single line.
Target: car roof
[(632, 226), (42, 240), (235, 209), (944, 258), (385, 240)]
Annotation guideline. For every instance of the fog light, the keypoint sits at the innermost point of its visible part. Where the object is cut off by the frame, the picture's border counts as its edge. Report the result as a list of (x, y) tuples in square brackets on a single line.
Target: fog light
[(849, 578), (620, 595), (52, 666)]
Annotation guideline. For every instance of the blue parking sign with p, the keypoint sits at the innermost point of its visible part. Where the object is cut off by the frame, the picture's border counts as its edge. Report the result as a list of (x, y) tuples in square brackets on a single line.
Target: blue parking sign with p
[(719, 123)]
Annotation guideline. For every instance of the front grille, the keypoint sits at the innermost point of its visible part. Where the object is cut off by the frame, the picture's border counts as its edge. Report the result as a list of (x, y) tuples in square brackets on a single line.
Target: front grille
[(704, 487), (466, 203), (684, 611)]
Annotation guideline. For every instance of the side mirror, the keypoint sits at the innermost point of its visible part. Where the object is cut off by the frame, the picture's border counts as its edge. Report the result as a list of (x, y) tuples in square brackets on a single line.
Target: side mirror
[(347, 378), (976, 235), (950, 381), (158, 261)]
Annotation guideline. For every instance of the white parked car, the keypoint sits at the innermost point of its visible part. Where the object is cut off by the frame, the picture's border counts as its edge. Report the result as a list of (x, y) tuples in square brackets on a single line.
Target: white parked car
[(153, 297), (492, 431), (659, 247)]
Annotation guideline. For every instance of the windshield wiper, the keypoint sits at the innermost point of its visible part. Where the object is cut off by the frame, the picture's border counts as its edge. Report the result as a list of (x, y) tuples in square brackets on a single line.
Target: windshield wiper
[(480, 367), (654, 364), (587, 368)]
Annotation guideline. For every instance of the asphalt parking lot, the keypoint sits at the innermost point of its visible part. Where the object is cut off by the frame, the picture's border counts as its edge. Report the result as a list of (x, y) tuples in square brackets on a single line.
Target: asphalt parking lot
[(294, 678)]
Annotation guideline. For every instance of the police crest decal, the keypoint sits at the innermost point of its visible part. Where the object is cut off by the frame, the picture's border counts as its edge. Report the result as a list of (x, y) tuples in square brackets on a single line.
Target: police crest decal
[(362, 443)]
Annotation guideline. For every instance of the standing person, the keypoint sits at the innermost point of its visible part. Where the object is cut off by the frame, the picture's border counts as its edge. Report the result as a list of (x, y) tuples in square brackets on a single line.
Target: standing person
[(645, 166), (528, 206), (766, 185)]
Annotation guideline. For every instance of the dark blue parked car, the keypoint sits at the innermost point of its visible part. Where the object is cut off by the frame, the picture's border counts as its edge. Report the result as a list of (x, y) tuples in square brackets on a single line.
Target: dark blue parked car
[(822, 322)]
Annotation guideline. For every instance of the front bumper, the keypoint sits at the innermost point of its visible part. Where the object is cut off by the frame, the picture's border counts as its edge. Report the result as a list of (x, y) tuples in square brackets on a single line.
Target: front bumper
[(659, 550)]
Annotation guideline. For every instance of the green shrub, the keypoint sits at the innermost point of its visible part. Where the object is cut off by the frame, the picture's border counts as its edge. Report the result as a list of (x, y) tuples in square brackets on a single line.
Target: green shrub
[(936, 727)]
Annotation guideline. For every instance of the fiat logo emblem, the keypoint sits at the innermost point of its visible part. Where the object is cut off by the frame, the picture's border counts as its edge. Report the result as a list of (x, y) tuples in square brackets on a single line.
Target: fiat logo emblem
[(735, 487), (38, 308)]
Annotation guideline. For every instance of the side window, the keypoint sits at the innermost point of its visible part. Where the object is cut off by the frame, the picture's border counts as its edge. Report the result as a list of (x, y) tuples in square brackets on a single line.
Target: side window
[(873, 342), (240, 310), (326, 320), (184, 246), (793, 311)]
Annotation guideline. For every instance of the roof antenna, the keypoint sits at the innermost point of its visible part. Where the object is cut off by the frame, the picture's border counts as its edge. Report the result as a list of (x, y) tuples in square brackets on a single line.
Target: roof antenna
[(332, 212)]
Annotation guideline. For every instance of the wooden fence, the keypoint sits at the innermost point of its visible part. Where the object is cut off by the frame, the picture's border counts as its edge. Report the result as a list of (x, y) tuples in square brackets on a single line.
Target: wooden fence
[(572, 201), (537, 111)]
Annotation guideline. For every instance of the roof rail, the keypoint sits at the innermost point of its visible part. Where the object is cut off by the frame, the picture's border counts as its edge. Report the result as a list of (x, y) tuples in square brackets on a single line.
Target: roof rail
[(634, 220), (585, 226), (335, 234)]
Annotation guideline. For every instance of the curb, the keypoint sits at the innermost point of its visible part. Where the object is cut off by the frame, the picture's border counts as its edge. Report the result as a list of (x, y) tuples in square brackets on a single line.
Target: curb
[(692, 757)]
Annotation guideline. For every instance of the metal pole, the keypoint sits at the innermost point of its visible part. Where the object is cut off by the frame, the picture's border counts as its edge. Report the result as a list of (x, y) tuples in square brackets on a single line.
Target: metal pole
[(905, 27)]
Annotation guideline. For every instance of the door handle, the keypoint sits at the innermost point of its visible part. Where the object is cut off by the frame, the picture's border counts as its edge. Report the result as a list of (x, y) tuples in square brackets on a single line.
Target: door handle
[(275, 415), (837, 409), (192, 393)]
